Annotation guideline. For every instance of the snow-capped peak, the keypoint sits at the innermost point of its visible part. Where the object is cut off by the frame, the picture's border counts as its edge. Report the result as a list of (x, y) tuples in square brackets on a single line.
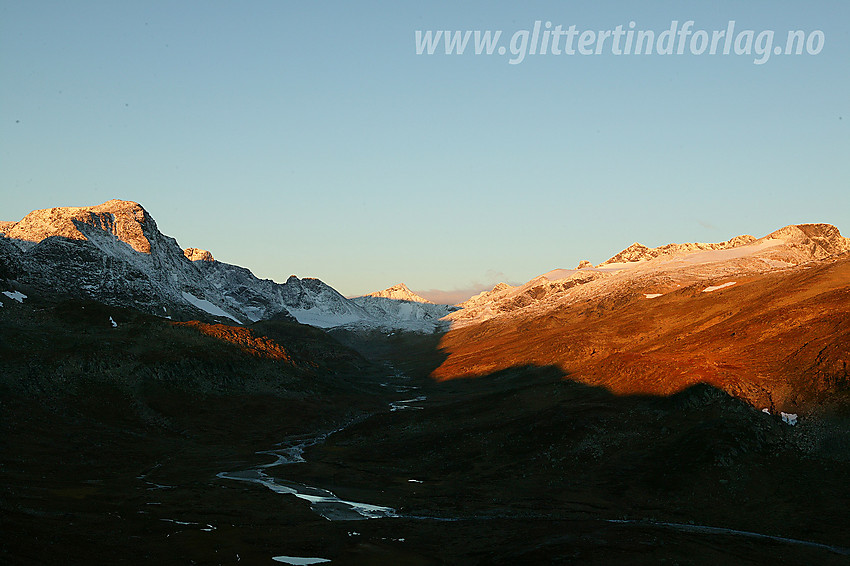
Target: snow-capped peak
[(123, 220), (399, 292)]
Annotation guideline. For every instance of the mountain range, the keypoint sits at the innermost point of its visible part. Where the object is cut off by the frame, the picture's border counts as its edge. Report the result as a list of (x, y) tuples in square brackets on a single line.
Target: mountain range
[(115, 254), (648, 320)]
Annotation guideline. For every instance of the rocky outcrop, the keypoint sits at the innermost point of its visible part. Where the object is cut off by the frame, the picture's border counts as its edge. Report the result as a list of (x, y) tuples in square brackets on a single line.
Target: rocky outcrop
[(195, 254), (639, 252), (5, 226)]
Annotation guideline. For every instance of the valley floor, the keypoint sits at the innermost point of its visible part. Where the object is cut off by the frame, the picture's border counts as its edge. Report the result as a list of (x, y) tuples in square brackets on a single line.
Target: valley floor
[(523, 466)]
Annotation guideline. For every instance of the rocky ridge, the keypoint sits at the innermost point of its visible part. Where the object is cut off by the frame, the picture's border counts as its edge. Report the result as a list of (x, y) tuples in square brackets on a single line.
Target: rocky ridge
[(639, 271), (818, 241), (639, 252)]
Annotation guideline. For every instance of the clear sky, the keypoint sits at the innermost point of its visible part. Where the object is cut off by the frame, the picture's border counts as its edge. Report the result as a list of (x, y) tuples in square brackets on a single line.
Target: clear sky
[(309, 138)]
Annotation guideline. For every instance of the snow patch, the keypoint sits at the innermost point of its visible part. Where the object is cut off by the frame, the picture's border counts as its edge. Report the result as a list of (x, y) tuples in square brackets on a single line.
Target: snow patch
[(114, 324), (558, 274), (652, 295), (207, 306), (16, 295), (716, 287), (787, 418), (299, 560), (315, 316)]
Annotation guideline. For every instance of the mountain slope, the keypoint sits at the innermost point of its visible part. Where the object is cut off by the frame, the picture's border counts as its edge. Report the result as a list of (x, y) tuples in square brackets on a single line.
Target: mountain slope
[(778, 338), (113, 253), (638, 270), (310, 301)]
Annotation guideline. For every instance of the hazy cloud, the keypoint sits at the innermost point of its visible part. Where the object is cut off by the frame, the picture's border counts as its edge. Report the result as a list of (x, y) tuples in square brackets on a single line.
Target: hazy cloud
[(458, 295), (452, 297)]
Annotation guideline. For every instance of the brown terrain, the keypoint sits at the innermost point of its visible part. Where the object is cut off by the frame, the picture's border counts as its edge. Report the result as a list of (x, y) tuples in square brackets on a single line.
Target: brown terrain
[(779, 340)]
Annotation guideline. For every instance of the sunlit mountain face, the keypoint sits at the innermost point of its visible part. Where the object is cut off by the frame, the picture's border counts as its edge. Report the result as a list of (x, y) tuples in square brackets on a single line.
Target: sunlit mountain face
[(765, 320), (688, 403)]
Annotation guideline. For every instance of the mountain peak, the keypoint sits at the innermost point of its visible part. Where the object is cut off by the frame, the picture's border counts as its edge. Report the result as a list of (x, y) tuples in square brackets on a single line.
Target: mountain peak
[(399, 292), (635, 252), (123, 219), (821, 239)]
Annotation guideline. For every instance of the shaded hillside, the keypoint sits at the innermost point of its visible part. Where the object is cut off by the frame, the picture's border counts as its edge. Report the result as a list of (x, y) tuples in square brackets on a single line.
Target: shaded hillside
[(525, 466), (53, 347)]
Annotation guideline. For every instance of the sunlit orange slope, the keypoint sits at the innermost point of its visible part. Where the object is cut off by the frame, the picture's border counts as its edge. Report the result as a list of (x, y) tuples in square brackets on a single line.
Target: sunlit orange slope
[(779, 339)]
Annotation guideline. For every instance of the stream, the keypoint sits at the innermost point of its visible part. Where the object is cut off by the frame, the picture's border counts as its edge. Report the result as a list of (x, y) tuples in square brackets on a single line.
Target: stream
[(322, 501)]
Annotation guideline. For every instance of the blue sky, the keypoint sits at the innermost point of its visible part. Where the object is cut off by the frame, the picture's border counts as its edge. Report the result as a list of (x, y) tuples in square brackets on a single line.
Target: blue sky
[(311, 139)]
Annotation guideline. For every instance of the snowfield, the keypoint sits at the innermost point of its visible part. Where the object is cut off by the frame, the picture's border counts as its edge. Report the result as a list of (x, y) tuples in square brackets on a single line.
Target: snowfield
[(718, 287), (207, 306)]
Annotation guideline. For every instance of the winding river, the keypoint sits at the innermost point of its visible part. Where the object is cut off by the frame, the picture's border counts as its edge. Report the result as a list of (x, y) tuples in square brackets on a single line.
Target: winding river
[(322, 501), (333, 508)]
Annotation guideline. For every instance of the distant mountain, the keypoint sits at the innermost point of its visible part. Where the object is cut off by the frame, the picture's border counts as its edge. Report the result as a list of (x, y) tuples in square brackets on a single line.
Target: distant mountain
[(399, 292), (400, 307)]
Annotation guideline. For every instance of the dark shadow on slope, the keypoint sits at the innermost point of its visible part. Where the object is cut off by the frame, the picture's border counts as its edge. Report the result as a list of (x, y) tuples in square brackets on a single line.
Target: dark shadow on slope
[(528, 444), (110, 433), (415, 354)]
